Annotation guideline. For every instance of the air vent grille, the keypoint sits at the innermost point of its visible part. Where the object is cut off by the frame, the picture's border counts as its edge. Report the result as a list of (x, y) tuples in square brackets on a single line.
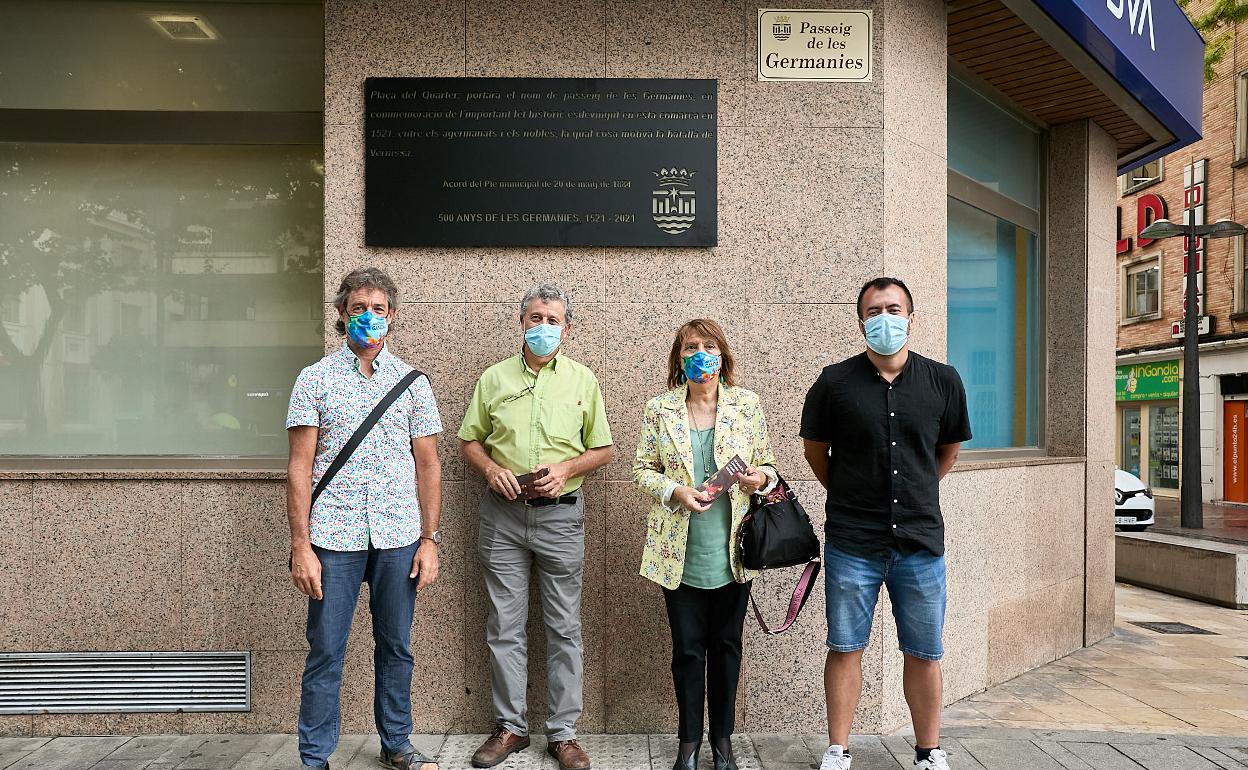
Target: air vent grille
[(182, 27), (119, 682)]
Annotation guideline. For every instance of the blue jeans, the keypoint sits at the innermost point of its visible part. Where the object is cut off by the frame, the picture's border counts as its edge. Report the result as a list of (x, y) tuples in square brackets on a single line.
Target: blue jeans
[(392, 601), (916, 587)]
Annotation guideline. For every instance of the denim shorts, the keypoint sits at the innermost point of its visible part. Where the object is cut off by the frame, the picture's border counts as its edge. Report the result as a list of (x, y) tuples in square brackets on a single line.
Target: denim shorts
[(916, 587)]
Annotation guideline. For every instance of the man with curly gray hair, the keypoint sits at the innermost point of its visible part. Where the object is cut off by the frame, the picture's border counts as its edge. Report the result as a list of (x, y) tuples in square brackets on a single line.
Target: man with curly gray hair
[(535, 428), (375, 520)]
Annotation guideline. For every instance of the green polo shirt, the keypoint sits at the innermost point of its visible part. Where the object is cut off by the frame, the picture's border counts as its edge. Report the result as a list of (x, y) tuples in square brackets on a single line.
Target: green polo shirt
[(525, 420)]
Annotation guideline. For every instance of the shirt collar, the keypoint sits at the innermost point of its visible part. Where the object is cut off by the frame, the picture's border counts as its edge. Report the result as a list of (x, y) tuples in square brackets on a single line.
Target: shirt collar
[(383, 359), (552, 364)]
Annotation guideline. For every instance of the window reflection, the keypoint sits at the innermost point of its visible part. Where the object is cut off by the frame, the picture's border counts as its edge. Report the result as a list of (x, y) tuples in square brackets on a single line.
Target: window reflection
[(155, 299), (993, 325)]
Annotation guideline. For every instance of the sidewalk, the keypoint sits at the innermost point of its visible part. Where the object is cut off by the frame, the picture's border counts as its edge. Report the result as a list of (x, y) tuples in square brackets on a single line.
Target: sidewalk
[(1221, 522), (1139, 699), (1137, 680), (970, 748)]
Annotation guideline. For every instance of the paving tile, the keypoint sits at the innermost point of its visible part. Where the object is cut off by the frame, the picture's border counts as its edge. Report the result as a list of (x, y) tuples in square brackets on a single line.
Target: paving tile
[(276, 751), (219, 752), (1078, 714), (69, 753), (1219, 758), (1209, 717), (1100, 698), (1159, 757), (996, 754), (13, 749), (1102, 756), (782, 748), (1062, 755), (1142, 716)]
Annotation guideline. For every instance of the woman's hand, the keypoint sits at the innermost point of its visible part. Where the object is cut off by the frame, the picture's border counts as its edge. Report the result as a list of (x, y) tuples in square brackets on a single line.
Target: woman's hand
[(690, 498), (752, 480)]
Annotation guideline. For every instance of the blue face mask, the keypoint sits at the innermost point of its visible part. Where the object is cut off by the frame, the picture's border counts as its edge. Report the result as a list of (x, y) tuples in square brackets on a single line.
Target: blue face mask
[(886, 333), (701, 366), (543, 339), (367, 329)]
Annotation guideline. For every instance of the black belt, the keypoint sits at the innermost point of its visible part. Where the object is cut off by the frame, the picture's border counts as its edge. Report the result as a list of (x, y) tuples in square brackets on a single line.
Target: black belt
[(541, 502)]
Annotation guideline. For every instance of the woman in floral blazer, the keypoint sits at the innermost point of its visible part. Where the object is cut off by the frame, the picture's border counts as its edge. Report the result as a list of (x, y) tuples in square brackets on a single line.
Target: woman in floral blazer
[(687, 435)]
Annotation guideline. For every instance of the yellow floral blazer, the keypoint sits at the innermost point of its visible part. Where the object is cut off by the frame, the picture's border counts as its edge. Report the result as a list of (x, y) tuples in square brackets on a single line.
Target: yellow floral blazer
[(665, 461)]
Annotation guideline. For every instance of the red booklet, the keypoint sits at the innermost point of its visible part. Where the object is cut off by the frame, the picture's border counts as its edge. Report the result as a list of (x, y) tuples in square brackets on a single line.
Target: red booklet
[(727, 476)]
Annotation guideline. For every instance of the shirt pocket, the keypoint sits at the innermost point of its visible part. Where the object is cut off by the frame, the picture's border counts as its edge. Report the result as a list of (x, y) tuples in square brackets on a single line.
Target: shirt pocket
[(562, 422)]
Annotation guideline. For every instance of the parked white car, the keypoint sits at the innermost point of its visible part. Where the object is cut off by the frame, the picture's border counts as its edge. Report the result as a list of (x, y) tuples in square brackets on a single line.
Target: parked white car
[(1133, 502)]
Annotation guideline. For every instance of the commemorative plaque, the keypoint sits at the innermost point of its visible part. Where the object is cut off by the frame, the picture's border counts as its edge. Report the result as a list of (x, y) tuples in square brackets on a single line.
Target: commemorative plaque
[(539, 162)]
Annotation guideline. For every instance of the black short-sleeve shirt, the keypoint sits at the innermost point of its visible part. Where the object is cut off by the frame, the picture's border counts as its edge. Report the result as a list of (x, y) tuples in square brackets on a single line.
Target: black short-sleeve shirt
[(883, 488)]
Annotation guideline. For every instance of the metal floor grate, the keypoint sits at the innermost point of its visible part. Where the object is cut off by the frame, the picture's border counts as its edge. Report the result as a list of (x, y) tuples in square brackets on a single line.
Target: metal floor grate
[(1173, 628), (124, 682)]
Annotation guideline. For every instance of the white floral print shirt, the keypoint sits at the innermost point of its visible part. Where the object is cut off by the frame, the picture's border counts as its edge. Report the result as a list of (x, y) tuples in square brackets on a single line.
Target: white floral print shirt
[(372, 499)]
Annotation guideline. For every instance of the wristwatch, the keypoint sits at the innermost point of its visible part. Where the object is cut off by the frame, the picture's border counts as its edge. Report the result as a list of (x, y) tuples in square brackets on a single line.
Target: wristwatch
[(435, 538)]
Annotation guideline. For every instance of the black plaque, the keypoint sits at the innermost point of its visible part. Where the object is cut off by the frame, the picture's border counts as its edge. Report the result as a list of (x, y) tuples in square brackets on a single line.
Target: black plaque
[(539, 162)]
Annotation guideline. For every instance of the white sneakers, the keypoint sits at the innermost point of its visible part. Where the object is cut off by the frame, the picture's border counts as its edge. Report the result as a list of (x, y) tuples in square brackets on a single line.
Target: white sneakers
[(938, 760), (835, 758)]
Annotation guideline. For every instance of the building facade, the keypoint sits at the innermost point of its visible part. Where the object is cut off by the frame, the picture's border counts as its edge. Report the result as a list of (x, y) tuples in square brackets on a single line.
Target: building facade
[(1198, 181), (176, 221)]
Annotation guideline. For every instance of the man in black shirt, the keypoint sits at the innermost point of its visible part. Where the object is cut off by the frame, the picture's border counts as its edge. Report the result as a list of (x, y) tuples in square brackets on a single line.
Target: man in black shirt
[(880, 431)]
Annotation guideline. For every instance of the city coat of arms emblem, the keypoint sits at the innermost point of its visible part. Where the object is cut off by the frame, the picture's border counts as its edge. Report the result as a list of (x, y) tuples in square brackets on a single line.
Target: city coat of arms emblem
[(781, 28), (673, 205)]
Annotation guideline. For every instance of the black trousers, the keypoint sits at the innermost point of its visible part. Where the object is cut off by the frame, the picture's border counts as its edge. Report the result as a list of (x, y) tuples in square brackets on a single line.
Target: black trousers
[(706, 655)]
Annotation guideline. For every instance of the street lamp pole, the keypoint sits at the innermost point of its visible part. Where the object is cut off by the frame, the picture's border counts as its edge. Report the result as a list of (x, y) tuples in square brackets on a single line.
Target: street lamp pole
[(1191, 510)]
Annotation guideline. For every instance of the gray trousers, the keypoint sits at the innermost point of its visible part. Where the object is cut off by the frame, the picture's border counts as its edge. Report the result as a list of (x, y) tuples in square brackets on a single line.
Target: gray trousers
[(515, 538)]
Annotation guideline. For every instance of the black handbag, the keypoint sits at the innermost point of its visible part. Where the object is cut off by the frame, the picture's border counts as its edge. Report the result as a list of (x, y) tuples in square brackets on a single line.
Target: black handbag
[(775, 533)]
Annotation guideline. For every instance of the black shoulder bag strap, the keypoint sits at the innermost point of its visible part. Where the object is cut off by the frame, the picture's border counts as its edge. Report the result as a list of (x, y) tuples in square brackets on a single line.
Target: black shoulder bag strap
[(344, 454)]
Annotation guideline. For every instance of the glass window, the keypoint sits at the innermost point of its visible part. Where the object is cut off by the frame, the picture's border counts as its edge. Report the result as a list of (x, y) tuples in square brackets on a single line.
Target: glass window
[(1143, 290), (1163, 446), (167, 292), (155, 276), (1241, 116), (993, 147), (1142, 176), (993, 325), (1129, 451)]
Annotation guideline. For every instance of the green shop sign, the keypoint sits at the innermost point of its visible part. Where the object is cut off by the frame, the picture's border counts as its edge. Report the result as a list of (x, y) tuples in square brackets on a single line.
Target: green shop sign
[(1147, 382)]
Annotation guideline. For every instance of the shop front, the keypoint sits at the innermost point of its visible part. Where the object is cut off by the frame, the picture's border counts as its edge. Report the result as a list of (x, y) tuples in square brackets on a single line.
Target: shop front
[(176, 221), (1147, 398)]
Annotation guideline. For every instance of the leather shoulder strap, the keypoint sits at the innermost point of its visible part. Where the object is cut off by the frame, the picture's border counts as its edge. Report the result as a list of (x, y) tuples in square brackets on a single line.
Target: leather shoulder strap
[(801, 592), (344, 454)]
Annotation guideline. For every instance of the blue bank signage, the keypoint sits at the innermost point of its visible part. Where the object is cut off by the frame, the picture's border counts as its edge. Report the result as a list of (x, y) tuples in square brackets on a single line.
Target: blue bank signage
[(1150, 48)]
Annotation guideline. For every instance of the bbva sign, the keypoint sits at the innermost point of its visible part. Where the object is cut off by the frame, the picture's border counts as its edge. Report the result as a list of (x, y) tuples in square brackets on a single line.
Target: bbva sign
[(1138, 12)]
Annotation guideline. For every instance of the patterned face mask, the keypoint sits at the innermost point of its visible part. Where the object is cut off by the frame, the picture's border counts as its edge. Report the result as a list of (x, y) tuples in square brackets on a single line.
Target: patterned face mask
[(367, 329), (701, 366)]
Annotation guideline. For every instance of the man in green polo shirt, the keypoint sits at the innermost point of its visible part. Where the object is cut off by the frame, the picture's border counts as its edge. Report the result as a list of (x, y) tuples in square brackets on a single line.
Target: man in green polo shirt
[(537, 412)]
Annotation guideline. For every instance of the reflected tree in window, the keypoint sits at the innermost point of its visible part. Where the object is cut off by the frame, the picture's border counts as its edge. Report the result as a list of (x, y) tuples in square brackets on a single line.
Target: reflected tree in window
[(191, 280)]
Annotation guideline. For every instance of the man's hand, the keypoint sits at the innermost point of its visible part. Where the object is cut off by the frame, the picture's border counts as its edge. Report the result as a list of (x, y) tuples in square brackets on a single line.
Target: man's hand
[(752, 480), (696, 501), (425, 565), (305, 572), (503, 482), (556, 478)]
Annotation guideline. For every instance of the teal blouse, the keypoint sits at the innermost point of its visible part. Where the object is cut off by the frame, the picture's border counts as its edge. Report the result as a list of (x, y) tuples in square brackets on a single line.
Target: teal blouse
[(706, 550)]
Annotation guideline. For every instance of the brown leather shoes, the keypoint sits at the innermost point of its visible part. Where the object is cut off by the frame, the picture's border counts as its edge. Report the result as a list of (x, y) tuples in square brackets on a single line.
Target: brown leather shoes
[(569, 754), (498, 747)]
